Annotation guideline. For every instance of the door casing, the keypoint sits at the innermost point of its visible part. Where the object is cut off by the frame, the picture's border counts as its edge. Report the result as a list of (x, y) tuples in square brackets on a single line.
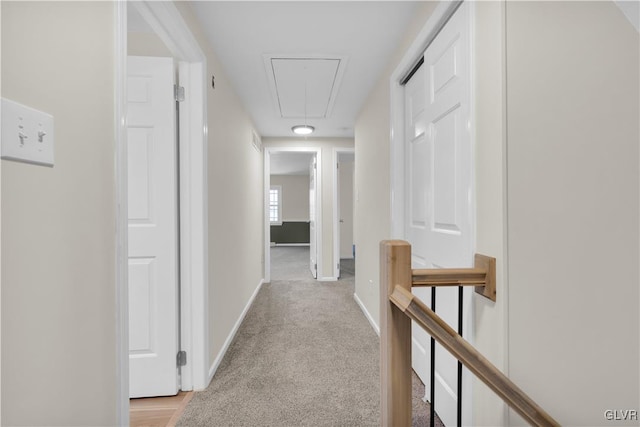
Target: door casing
[(437, 20), (167, 22), (267, 224), (336, 207)]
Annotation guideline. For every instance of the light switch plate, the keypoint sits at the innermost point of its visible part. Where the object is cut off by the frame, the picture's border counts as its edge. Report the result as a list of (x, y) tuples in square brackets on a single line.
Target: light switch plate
[(27, 134)]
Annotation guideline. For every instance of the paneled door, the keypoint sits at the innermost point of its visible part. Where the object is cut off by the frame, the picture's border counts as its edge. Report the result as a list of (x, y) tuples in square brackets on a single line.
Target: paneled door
[(440, 211), (153, 227), (313, 194)]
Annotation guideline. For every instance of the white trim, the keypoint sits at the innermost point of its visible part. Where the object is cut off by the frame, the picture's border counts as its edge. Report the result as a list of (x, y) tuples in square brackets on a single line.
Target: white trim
[(290, 244), (327, 279), (428, 33), (366, 313), (437, 19), (216, 363), (267, 224), (170, 27), (336, 206), (122, 254), (167, 22)]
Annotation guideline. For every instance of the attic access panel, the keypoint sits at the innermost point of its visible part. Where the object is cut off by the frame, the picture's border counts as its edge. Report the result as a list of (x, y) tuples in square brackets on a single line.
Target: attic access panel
[(304, 86)]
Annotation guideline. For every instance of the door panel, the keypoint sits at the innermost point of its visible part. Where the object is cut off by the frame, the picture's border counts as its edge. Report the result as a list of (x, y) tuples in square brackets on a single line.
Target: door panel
[(439, 182), (153, 228)]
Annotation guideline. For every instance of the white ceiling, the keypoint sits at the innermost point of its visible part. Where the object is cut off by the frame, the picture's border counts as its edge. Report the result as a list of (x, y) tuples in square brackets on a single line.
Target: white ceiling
[(361, 34)]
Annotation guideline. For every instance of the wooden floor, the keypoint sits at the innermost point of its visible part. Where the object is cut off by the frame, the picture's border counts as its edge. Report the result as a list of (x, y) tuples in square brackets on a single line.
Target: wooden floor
[(158, 411)]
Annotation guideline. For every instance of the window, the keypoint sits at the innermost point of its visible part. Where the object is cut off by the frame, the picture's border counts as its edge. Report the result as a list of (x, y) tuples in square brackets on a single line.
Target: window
[(275, 205)]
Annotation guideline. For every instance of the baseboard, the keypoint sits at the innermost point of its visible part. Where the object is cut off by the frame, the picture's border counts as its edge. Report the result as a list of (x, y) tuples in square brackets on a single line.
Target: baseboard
[(288, 244), (232, 334), (327, 279), (367, 314)]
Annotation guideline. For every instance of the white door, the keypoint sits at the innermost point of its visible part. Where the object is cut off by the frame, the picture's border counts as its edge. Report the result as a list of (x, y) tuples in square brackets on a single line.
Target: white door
[(313, 259), (440, 211), (153, 229)]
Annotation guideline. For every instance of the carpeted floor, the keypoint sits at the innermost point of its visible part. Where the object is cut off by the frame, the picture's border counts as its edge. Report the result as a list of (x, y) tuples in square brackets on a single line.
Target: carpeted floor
[(290, 263), (305, 355)]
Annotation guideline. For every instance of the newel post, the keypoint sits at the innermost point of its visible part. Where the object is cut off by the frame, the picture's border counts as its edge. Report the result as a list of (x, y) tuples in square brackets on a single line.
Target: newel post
[(395, 336)]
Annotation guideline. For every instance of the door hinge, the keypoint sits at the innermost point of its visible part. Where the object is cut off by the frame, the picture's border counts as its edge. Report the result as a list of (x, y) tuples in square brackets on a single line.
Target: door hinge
[(178, 93), (315, 266), (182, 358), (338, 267)]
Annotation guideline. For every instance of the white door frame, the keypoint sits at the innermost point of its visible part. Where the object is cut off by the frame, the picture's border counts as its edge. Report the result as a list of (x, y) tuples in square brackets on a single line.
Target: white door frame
[(267, 224), (440, 16), (167, 22), (432, 27), (336, 206)]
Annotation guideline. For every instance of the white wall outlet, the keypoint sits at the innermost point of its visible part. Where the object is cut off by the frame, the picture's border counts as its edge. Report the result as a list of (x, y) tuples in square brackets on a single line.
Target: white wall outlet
[(27, 134)]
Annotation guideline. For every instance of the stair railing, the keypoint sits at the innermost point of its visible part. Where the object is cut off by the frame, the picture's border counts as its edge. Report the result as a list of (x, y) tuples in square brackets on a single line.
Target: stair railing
[(399, 307)]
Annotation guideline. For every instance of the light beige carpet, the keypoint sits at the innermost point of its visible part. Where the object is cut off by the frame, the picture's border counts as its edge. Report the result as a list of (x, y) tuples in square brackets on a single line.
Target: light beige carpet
[(305, 355)]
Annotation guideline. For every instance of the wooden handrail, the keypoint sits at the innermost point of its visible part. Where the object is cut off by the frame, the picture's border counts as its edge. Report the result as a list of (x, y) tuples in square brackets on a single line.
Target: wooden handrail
[(471, 358), (482, 276), (399, 306)]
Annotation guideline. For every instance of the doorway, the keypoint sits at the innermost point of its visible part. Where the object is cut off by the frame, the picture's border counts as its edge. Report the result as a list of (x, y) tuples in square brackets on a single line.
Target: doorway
[(153, 231), (168, 25), (433, 187), (293, 203), (343, 214)]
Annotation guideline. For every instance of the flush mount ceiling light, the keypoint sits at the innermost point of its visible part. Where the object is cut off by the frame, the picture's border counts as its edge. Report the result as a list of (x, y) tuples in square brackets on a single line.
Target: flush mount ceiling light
[(303, 129)]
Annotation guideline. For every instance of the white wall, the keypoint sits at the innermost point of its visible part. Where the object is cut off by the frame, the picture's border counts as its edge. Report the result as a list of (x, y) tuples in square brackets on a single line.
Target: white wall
[(573, 115), (235, 192), (58, 224), (295, 196), (326, 145)]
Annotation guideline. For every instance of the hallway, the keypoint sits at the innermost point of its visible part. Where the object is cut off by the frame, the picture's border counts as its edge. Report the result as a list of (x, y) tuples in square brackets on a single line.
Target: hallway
[(304, 355)]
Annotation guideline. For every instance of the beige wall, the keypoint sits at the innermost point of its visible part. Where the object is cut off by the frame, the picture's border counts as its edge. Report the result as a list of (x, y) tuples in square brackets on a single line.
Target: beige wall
[(236, 204), (489, 334), (146, 44), (573, 94), (326, 145), (372, 208), (295, 196), (58, 224), (572, 203)]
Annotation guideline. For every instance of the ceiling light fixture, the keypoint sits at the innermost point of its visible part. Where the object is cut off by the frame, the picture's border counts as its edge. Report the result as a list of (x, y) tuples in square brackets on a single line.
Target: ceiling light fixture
[(304, 129)]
